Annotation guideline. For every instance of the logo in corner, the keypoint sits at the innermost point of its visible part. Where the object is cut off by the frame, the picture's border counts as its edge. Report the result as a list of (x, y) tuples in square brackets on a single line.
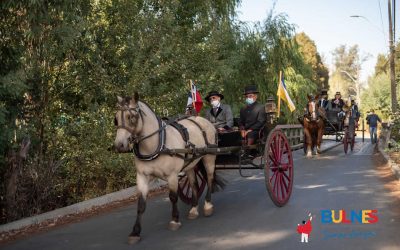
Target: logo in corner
[(305, 228)]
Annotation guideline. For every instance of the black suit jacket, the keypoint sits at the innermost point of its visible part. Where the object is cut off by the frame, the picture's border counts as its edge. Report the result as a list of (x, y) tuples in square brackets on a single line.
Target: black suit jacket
[(323, 105), (252, 117)]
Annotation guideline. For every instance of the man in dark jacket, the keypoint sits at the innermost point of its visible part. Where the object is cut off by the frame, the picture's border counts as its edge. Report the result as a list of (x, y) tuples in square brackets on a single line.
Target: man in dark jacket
[(252, 116), (372, 121), (220, 115), (338, 102), (323, 101)]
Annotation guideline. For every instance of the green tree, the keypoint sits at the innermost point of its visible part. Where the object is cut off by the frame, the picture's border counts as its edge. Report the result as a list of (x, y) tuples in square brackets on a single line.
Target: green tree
[(345, 59), (308, 49)]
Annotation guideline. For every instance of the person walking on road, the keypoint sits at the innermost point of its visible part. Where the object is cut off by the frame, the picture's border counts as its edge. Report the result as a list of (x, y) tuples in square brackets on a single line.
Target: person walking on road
[(372, 121)]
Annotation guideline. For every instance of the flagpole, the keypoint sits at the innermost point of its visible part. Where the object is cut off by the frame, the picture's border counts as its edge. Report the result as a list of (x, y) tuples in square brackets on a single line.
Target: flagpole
[(191, 92), (279, 96)]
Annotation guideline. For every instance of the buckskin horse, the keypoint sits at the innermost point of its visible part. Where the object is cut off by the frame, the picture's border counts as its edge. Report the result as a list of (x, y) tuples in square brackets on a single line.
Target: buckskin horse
[(313, 125), (152, 140)]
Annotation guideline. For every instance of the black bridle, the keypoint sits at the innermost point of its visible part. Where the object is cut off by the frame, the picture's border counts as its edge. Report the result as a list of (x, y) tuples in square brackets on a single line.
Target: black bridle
[(136, 113), (310, 113)]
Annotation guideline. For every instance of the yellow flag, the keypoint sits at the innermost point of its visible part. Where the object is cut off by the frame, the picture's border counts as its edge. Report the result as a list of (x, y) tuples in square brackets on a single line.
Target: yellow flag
[(283, 94)]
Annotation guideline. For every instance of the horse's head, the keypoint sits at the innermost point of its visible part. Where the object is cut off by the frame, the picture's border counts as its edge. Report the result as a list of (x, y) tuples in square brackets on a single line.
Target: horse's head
[(312, 107), (129, 122)]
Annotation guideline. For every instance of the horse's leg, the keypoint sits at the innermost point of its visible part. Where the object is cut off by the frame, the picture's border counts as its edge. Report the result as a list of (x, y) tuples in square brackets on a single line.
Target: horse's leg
[(143, 189), (209, 164), (308, 142), (174, 224), (319, 138), (194, 211)]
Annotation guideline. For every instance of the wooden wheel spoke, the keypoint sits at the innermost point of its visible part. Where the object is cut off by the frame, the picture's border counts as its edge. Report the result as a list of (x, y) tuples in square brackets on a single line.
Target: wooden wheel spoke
[(277, 188), (278, 147), (272, 177), (280, 194), (273, 159), (274, 156), (275, 182), (287, 177), (283, 191), (273, 169), (285, 185)]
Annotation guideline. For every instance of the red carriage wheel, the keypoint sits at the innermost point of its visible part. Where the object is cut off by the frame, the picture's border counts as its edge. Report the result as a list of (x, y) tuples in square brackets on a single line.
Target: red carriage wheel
[(278, 167), (184, 189)]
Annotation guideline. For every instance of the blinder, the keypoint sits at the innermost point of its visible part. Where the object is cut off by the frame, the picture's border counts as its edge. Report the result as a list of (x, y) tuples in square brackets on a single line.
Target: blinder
[(316, 111), (133, 118)]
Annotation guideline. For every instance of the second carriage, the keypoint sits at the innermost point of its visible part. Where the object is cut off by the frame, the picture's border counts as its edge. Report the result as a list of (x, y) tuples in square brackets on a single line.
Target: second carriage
[(343, 125)]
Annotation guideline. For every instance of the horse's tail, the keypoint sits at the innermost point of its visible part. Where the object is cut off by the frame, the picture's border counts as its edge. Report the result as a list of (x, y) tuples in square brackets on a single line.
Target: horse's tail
[(219, 182)]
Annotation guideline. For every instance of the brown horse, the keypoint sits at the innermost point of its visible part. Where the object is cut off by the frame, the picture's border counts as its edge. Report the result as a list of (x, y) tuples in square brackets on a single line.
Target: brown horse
[(152, 138), (313, 124)]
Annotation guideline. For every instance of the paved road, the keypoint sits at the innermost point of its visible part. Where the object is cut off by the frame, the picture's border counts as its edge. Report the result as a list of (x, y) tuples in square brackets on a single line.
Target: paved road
[(245, 217)]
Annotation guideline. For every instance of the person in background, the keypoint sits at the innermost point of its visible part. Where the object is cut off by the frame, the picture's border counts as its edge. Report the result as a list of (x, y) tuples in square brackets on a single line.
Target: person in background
[(372, 121), (220, 115), (252, 116)]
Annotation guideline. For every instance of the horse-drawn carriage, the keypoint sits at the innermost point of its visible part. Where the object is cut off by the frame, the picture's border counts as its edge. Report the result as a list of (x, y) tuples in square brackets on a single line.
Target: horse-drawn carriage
[(334, 124), (184, 152), (317, 122), (342, 124), (272, 153)]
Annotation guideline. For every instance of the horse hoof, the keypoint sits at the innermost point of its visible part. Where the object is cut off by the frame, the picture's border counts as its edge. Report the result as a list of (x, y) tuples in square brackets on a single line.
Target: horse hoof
[(193, 214), (133, 240), (173, 225), (208, 209)]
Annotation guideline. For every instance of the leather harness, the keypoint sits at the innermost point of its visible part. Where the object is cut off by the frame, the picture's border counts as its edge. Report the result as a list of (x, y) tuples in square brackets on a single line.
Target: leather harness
[(136, 113)]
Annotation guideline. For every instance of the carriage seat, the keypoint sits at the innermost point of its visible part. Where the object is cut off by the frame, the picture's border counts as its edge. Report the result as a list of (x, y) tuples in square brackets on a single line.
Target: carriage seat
[(332, 116), (229, 138)]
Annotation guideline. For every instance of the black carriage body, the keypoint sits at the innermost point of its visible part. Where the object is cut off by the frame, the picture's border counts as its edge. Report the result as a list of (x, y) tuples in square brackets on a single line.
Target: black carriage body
[(227, 140), (230, 145)]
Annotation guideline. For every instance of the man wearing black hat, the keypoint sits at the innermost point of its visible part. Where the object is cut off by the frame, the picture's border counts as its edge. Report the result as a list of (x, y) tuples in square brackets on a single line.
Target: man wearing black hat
[(252, 116), (220, 115), (338, 102), (323, 102)]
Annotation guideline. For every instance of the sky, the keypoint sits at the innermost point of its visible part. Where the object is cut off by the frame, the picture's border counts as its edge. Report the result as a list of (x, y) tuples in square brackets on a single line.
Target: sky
[(329, 24)]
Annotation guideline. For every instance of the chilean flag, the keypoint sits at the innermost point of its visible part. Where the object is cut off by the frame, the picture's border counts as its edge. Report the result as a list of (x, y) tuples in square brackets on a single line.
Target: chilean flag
[(194, 97)]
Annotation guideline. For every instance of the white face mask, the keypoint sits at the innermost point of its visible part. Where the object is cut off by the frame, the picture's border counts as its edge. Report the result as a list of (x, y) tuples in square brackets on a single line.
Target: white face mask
[(215, 103), (249, 101)]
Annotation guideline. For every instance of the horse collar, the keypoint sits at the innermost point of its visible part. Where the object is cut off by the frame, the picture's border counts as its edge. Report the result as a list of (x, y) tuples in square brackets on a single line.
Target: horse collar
[(161, 142)]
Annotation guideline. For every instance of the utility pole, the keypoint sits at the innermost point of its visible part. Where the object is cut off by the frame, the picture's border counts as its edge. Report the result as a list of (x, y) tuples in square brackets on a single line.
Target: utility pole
[(391, 61)]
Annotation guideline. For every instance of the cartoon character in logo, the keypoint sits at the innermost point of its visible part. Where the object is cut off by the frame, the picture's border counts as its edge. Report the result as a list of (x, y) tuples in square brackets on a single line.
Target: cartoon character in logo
[(305, 229)]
